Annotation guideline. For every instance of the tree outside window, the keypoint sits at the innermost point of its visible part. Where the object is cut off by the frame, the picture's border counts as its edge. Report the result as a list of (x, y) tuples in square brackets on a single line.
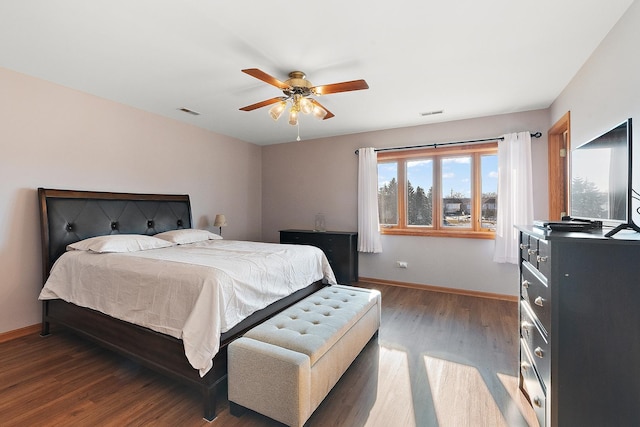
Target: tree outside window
[(388, 193)]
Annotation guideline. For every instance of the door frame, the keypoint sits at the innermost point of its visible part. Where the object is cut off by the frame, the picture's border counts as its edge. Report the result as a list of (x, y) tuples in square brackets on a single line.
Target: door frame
[(559, 147)]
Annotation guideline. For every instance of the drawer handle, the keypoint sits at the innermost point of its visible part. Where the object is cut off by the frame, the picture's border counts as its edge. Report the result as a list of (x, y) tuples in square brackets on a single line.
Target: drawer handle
[(523, 246), (525, 366), (527, 325), (531, 251), (537, 402), (538, 352), (542, 258), (539, 301), (525, 331), (525, 284)]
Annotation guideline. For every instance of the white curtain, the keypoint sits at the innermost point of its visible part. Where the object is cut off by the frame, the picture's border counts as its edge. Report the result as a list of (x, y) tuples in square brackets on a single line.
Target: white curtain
[(368, 223), (515, 194)]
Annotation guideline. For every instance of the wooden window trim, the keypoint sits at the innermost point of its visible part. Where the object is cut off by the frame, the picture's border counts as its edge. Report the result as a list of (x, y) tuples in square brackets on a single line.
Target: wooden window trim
[(402, 229)]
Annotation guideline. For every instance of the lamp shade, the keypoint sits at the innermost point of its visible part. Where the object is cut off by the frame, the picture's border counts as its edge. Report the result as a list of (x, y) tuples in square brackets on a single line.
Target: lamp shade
[(220, 221), (319, 113), (277, 110), (306, 106), (293, 117)]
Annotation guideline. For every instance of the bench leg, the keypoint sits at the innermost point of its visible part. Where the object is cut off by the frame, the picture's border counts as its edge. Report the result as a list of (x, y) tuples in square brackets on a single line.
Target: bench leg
[(237, 410)]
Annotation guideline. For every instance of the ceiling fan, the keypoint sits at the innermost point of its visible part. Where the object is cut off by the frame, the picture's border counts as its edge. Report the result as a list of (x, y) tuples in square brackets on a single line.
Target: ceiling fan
[(298, 91)]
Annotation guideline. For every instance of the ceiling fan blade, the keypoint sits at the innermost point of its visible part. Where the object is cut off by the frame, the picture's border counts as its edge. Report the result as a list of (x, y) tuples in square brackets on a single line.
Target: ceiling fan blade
[(340, 87), (261, 75), (262, 103), (329, 113)]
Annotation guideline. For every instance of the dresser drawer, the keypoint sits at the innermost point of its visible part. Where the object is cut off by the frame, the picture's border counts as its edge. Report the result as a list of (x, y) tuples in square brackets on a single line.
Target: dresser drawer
[(319, 239), (334, 247), (298, 238), (536, 293), (339, 248), (524, 246), (536, 252), (536, 343), (543, 260), (532, 385), (529, 249)]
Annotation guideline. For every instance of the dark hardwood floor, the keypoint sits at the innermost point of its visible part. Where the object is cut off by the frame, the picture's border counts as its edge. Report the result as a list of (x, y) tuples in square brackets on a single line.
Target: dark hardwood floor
[(439, 360)]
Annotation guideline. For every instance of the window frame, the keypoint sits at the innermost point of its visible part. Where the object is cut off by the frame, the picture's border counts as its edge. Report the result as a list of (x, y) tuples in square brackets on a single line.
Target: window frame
[(476, 151)]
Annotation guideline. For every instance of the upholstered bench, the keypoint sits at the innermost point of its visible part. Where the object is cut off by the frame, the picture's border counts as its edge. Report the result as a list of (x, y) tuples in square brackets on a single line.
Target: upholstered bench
[(284, 367)]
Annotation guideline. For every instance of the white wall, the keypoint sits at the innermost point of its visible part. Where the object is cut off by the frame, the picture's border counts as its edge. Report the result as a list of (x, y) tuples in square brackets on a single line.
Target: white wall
[(303, 178), (606, 91), (52, 136)]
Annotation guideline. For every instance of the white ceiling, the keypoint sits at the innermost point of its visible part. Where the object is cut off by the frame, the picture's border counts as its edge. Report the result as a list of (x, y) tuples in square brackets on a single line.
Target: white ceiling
[(469, 58)]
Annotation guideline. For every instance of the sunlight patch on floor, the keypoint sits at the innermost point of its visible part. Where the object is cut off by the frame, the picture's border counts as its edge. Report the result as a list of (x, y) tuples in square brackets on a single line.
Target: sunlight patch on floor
[(394, 388), (520, 403), (460, 395)]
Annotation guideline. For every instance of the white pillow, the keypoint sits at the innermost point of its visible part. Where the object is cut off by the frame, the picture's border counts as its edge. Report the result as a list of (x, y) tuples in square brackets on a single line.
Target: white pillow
[(187, 235), (119, 243)]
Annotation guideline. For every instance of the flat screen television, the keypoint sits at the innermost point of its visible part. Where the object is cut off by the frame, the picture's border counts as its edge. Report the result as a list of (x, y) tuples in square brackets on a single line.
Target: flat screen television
[(601, 179)]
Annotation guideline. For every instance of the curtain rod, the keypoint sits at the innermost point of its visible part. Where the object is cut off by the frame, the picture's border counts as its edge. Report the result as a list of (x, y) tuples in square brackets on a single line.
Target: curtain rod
[(439, 144)]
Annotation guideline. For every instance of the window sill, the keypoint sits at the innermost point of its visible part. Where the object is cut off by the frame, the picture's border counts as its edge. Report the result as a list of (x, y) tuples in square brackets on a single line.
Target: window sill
[(466, 234)]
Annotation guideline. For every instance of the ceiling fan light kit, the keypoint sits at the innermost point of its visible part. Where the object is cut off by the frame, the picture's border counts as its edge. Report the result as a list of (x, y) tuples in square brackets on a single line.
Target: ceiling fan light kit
[(276, 111), (319, 113), (306, 106), (293, 117), (298, 90)]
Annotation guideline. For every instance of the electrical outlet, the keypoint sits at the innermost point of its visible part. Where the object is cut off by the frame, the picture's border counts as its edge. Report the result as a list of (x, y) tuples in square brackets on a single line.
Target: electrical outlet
[(401, 264)]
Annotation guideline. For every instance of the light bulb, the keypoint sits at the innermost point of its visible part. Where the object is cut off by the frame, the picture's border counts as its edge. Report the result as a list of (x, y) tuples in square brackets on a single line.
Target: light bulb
[(276, 111)]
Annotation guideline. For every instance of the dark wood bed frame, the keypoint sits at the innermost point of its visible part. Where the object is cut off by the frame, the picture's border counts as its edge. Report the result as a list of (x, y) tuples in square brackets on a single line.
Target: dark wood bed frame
[(68, 216)]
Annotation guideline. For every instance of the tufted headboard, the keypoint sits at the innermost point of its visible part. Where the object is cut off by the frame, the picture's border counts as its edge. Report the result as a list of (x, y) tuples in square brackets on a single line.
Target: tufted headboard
[(67, 216)]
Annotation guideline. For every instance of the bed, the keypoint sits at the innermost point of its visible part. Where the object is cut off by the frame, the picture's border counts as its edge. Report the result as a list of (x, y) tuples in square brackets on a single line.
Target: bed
[(68, 217)]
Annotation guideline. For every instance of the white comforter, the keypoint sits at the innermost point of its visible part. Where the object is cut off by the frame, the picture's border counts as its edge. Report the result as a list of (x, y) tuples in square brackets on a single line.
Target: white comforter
[(193, 292)]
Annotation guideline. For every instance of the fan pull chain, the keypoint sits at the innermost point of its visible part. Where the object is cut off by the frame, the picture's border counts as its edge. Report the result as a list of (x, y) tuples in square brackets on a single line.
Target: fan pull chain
[(298, 126)]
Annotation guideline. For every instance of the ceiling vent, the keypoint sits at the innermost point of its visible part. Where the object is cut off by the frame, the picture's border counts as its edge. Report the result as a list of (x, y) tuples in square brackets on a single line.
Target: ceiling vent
[(188, 111), (431, 113)]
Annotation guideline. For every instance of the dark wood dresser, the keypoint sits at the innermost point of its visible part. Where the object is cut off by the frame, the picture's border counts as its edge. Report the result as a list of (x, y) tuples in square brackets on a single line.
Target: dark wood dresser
[(580, 327), (340, 247)]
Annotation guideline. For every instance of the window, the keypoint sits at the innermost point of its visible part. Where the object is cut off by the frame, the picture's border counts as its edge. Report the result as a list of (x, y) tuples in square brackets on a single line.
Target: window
[(388, 193), (439, 191)]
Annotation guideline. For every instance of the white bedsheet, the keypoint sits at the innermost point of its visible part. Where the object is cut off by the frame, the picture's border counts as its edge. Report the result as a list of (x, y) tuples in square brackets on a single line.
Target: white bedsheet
[(193, 292)]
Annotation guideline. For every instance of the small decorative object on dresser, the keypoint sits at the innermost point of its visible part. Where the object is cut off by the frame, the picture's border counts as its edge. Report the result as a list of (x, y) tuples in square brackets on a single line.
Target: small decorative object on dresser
[(579, 317), (320, 223), (340, 247)]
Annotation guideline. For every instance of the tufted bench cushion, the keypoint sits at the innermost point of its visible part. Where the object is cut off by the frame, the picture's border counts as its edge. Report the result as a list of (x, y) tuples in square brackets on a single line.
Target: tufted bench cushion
[(285, 367), (313, 325)]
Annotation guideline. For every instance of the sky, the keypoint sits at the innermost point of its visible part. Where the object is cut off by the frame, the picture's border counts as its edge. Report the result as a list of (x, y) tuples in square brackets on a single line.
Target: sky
[(456, 174)]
